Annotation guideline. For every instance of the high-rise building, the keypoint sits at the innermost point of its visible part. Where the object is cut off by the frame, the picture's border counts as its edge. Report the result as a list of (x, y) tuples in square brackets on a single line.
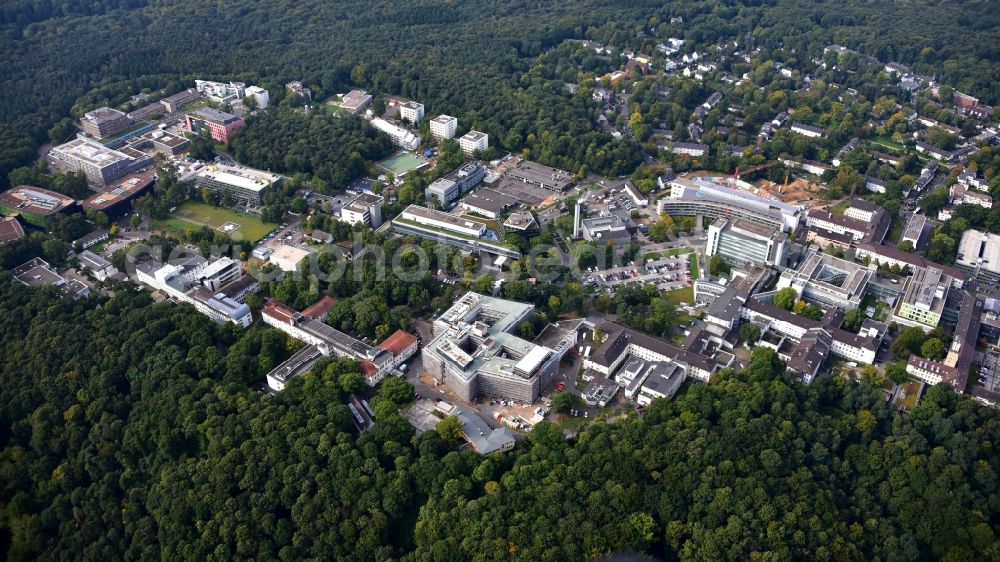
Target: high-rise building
[(365, 209), (411, 111), (474, 141), (443, 127), (740, 241)]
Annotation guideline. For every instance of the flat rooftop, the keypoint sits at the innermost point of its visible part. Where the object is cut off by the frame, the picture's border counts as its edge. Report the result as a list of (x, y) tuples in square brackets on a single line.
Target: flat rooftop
[(362, 202), (489, 200), (91, 152), (36, 273), (702, 189), (238, 176), (431, 214), (35, 200), (534, 172), (979, 248), (214, 115), (122, 191), (915, 227), (473, 136)]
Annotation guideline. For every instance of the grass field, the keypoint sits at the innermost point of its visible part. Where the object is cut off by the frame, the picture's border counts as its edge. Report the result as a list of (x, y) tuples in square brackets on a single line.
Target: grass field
[(890, 144), (401, 163), (693, 259), (238, 225), (677, 296)]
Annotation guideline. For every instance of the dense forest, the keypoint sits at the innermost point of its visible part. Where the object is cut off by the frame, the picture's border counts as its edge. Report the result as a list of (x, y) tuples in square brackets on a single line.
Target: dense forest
[(128, 431), (468, 59), (333, 151)]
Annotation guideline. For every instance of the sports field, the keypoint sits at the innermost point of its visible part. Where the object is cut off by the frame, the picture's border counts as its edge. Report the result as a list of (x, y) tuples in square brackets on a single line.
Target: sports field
[(401, 163), (236, 224)]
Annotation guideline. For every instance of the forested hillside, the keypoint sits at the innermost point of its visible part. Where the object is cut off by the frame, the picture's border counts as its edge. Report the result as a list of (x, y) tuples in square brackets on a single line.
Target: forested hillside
[(128, 431), (468, 59)]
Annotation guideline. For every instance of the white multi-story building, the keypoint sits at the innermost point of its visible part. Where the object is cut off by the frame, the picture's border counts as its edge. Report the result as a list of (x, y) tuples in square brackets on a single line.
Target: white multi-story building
[(365, 209), (411, 112), (474, 141), (401, 137), (199, 284), (259, 95), (221, 92), (443, 127)]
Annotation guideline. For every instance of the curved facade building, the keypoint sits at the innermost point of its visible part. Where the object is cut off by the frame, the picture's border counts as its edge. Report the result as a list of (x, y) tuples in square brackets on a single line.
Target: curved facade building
[(704, 198)]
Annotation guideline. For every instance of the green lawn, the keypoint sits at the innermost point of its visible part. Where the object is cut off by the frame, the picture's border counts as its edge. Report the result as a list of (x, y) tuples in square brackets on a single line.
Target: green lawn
[(677, 296), (192, 215), (890, 144), (839, 208), (693, 259), (678, 251)]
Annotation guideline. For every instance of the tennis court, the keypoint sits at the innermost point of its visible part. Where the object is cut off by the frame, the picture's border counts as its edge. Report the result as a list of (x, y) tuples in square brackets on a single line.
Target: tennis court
[(401, 163)]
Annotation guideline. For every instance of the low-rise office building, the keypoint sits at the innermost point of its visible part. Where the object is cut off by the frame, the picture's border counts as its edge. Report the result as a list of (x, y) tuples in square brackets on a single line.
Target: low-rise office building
[(102, 165), (355, 101), (522, 224), (174, 103), (605, 229), (463, 232), (914, 230), (954, 368), (487, 203), (923, 299), (543, 176), (688, 148), (99, 267), (196, 282), (638, 197), (860, 347), (376, 361), (91, 239), (621, 344), (808, 130), (828, 280), (219, 124), (661, 380), (450, 187), (289, 258), (37, 272), (364, 209), (863, 221), (243, 184)]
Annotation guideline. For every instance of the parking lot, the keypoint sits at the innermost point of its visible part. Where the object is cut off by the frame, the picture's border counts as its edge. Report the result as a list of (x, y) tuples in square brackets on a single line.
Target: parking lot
[(989, 372), (666, 273)]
